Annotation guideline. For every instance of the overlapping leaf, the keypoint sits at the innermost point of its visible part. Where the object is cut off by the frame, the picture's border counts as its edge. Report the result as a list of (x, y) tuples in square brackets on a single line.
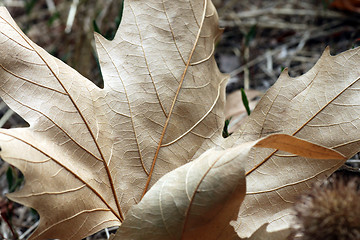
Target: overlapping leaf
[(321, 106), (198, 199), (91, 153), (194, 201)]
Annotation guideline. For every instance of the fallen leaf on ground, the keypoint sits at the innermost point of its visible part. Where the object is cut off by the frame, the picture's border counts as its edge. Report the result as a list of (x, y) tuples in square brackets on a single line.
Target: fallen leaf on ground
[(91, 153)]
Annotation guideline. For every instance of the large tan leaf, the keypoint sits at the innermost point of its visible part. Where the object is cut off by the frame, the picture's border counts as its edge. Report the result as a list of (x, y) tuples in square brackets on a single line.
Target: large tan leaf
[(198, 199), (321, 106), (91, 153), (194, 201)]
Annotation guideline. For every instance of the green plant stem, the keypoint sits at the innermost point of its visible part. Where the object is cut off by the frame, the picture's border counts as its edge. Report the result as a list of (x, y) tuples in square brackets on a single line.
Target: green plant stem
[(245, 101)]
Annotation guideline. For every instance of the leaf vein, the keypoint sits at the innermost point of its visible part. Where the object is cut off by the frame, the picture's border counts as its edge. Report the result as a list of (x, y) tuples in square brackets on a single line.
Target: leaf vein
[(30, 81), (66, 168), (174, 101), (130, 109), (146, 62), (53, 122)]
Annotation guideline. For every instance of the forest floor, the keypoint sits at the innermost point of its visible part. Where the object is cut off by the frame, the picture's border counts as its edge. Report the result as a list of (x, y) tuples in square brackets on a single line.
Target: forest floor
[(260, 39)]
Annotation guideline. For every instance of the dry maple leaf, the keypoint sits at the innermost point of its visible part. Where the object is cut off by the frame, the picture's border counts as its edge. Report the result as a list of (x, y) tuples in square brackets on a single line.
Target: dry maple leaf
[(91, 153), (321, 106)]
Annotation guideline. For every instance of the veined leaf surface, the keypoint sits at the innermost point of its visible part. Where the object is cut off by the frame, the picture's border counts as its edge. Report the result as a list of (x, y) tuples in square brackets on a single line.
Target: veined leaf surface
[(91, 153), (321, 106), (198, 199)]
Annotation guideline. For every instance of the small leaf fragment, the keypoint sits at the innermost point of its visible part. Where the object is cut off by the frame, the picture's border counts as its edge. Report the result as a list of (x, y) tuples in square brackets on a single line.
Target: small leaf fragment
[(299, 147)]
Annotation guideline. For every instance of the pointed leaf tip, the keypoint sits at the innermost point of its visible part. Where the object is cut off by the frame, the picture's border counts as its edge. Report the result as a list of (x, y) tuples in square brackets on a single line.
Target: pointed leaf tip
[(299, 147)]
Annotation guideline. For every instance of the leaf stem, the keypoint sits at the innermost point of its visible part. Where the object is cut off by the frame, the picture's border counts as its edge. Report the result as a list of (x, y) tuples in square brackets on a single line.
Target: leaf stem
[(245, 101)]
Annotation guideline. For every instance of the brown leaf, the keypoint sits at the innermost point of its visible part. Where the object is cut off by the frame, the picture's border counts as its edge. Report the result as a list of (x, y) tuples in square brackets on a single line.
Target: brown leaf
[(91, 153), (321, 106), (299, 147)]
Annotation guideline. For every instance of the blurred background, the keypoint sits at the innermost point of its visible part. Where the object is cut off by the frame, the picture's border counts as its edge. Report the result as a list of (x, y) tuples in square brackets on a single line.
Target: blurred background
[(261, 38)]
